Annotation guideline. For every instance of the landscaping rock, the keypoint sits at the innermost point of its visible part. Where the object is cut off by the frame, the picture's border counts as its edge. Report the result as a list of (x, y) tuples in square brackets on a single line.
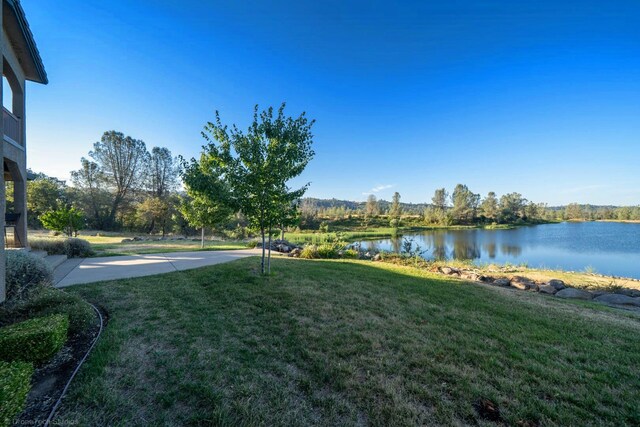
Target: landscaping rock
[(295, 252), (523, 283), (470, 275), (377, 257), (126, 241), (557, 284), (547, 289), (573, 293), (449, 270), (618, 299), (502, 281)]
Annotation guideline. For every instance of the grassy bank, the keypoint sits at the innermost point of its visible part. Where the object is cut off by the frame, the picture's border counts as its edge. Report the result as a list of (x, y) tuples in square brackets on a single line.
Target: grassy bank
[(350, 343)]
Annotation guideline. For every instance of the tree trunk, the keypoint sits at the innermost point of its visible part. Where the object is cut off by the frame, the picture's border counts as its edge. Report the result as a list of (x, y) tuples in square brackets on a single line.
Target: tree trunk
[(202, 238), (282, 233), (262, 259), (269, 258)]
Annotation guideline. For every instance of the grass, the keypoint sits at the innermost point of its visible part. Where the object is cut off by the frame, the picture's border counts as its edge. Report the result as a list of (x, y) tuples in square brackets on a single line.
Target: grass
[(349, 343)]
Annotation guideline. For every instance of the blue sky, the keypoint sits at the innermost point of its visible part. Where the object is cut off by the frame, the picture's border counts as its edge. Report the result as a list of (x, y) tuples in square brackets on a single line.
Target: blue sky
[(539, 97)]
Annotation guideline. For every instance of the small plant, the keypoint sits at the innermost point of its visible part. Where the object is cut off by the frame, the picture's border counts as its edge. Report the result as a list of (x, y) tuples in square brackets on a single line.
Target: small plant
[(309, 252), (251, 244), (412, 250), (34, 340), (25, 273), (15, 383), (324, 227), (327, 251), (350, 254)]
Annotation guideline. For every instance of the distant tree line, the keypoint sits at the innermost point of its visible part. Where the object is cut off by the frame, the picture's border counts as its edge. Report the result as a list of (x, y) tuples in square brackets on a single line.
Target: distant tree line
[(575, 211), (460, 207)]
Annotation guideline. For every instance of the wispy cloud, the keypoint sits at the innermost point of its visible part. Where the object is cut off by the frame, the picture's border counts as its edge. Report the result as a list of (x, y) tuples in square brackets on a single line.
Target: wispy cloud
[(377, 189)]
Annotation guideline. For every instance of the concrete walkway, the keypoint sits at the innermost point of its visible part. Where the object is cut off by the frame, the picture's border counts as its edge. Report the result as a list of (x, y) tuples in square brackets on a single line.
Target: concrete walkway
[(88, 270)]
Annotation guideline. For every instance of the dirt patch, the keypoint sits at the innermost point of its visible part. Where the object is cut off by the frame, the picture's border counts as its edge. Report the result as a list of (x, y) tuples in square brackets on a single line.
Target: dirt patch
[(488, 410), (50, 379)]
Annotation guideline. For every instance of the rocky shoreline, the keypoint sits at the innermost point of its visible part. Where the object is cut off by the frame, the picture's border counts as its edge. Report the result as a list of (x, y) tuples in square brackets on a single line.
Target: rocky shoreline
[(619, 298)]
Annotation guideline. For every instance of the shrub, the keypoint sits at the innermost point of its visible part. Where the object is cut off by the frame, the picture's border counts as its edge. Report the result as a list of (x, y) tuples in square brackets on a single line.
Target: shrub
[(47, 301), (309, 252), (72, 247), (15, 383), (251, 244), (25, 273), (327, 251), (77, 248), (324, 227), (34, 340), (350, 253), (51, 246)]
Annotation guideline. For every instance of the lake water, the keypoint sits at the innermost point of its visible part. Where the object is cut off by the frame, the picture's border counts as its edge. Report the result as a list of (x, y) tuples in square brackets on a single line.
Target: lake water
[(607, 247)]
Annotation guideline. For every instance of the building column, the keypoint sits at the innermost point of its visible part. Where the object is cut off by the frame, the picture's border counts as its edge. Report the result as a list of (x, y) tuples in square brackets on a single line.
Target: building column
[(19, 202), (3, 290)]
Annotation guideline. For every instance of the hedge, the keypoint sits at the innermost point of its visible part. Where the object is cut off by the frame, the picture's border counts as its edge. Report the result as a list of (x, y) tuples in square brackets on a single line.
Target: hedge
[(34, 340), (15, 383)]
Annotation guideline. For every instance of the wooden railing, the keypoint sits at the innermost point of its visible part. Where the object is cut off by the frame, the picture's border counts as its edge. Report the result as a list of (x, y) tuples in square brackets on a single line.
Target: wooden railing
[(11, 128)]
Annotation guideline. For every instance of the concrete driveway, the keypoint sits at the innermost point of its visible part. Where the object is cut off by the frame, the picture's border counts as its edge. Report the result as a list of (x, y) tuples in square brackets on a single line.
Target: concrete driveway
[(88, 270)]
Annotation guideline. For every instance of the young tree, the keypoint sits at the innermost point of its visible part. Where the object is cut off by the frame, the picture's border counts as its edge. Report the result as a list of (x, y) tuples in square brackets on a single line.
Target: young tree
[(208, 202), (66, 220), (259, 164)]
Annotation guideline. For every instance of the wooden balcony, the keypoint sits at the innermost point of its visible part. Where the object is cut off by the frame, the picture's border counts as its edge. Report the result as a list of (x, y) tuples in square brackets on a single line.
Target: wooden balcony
[(11, 128)]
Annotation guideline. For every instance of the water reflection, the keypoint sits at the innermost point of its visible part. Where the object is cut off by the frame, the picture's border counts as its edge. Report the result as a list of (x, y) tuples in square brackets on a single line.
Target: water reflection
[(609, 248)]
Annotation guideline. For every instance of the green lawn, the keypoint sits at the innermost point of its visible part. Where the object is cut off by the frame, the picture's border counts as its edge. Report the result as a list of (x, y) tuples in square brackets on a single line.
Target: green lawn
[(349, 343)]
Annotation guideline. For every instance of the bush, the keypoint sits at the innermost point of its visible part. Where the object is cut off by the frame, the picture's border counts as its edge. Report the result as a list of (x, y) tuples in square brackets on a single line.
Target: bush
[(15, 383), (72, 247), (25, 273), (34, 340), (51, 246), (309, 252), (77, 248), (351, 254), (251, 244), (327, 251), (47, 301)]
